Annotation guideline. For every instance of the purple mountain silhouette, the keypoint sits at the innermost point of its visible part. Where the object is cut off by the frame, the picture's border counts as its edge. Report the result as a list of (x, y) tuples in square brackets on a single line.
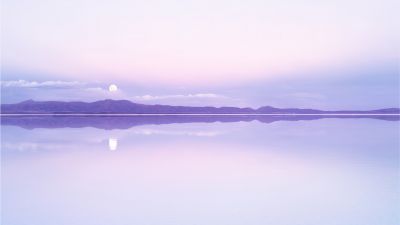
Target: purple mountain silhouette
[(126, 122), (127, 107)]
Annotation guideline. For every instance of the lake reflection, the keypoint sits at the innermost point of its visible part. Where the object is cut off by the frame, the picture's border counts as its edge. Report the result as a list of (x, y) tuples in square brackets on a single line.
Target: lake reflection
[(286, 172)]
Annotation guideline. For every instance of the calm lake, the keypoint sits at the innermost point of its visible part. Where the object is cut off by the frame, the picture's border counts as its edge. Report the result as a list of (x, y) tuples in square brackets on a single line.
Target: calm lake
[(200, 171)]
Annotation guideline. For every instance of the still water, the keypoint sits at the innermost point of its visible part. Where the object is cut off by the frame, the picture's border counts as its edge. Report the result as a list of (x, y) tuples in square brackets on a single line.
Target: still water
[(325, 171)]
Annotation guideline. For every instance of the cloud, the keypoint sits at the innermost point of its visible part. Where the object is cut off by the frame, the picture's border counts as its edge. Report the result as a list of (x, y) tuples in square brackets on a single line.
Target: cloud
[(20, 90), (301, 100), (102, 93), (198, 99), (306, 95), (44, 84), (188, 96)]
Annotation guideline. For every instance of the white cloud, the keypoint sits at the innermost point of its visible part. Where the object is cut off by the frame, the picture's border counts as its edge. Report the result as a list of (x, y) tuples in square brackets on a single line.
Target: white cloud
[(199, 99), (46, 84), (306, 95), (95, 89), (82, 91), (300, 100), (190, 96), (102, 93)]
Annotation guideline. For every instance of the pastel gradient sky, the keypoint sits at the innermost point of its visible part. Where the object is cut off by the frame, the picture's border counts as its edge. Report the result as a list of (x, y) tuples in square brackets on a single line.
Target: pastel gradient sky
[(304, 53)]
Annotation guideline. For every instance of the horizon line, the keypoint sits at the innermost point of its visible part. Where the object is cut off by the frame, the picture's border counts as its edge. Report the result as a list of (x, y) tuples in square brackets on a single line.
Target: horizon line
[(199, 114)]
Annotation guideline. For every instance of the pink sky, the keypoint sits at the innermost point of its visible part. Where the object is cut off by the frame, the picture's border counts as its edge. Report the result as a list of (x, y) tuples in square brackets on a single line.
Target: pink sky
[(194, 42), (304, 53)]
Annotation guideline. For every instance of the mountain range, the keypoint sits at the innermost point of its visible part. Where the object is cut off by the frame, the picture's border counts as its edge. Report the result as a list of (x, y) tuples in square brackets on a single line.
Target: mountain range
[(127, 107)]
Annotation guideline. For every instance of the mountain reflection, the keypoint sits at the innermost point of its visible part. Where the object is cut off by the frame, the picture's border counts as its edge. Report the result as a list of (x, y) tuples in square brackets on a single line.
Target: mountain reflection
[(126, 122)]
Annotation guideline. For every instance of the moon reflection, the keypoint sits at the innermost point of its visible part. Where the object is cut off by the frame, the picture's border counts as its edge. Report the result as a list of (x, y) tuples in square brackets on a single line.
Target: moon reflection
[(112, 144)]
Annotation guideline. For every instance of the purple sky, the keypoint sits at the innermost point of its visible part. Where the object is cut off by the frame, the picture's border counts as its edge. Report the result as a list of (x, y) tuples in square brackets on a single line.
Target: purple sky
[(328, 55)]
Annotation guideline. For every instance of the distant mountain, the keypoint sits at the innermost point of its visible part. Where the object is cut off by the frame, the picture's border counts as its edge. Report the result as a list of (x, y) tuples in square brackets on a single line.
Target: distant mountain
[(127, 107)]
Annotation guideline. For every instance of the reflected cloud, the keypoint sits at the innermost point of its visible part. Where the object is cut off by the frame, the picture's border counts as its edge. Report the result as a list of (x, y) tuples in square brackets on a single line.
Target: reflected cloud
[(22, 146), (34, 146), (178, 133)]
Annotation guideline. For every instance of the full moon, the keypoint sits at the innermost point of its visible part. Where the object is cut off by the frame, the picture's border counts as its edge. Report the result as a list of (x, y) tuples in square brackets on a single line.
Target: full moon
[(113, 88)]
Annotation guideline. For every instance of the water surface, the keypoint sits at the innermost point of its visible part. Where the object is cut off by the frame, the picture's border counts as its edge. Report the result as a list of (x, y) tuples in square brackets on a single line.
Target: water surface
[(325, 171)]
